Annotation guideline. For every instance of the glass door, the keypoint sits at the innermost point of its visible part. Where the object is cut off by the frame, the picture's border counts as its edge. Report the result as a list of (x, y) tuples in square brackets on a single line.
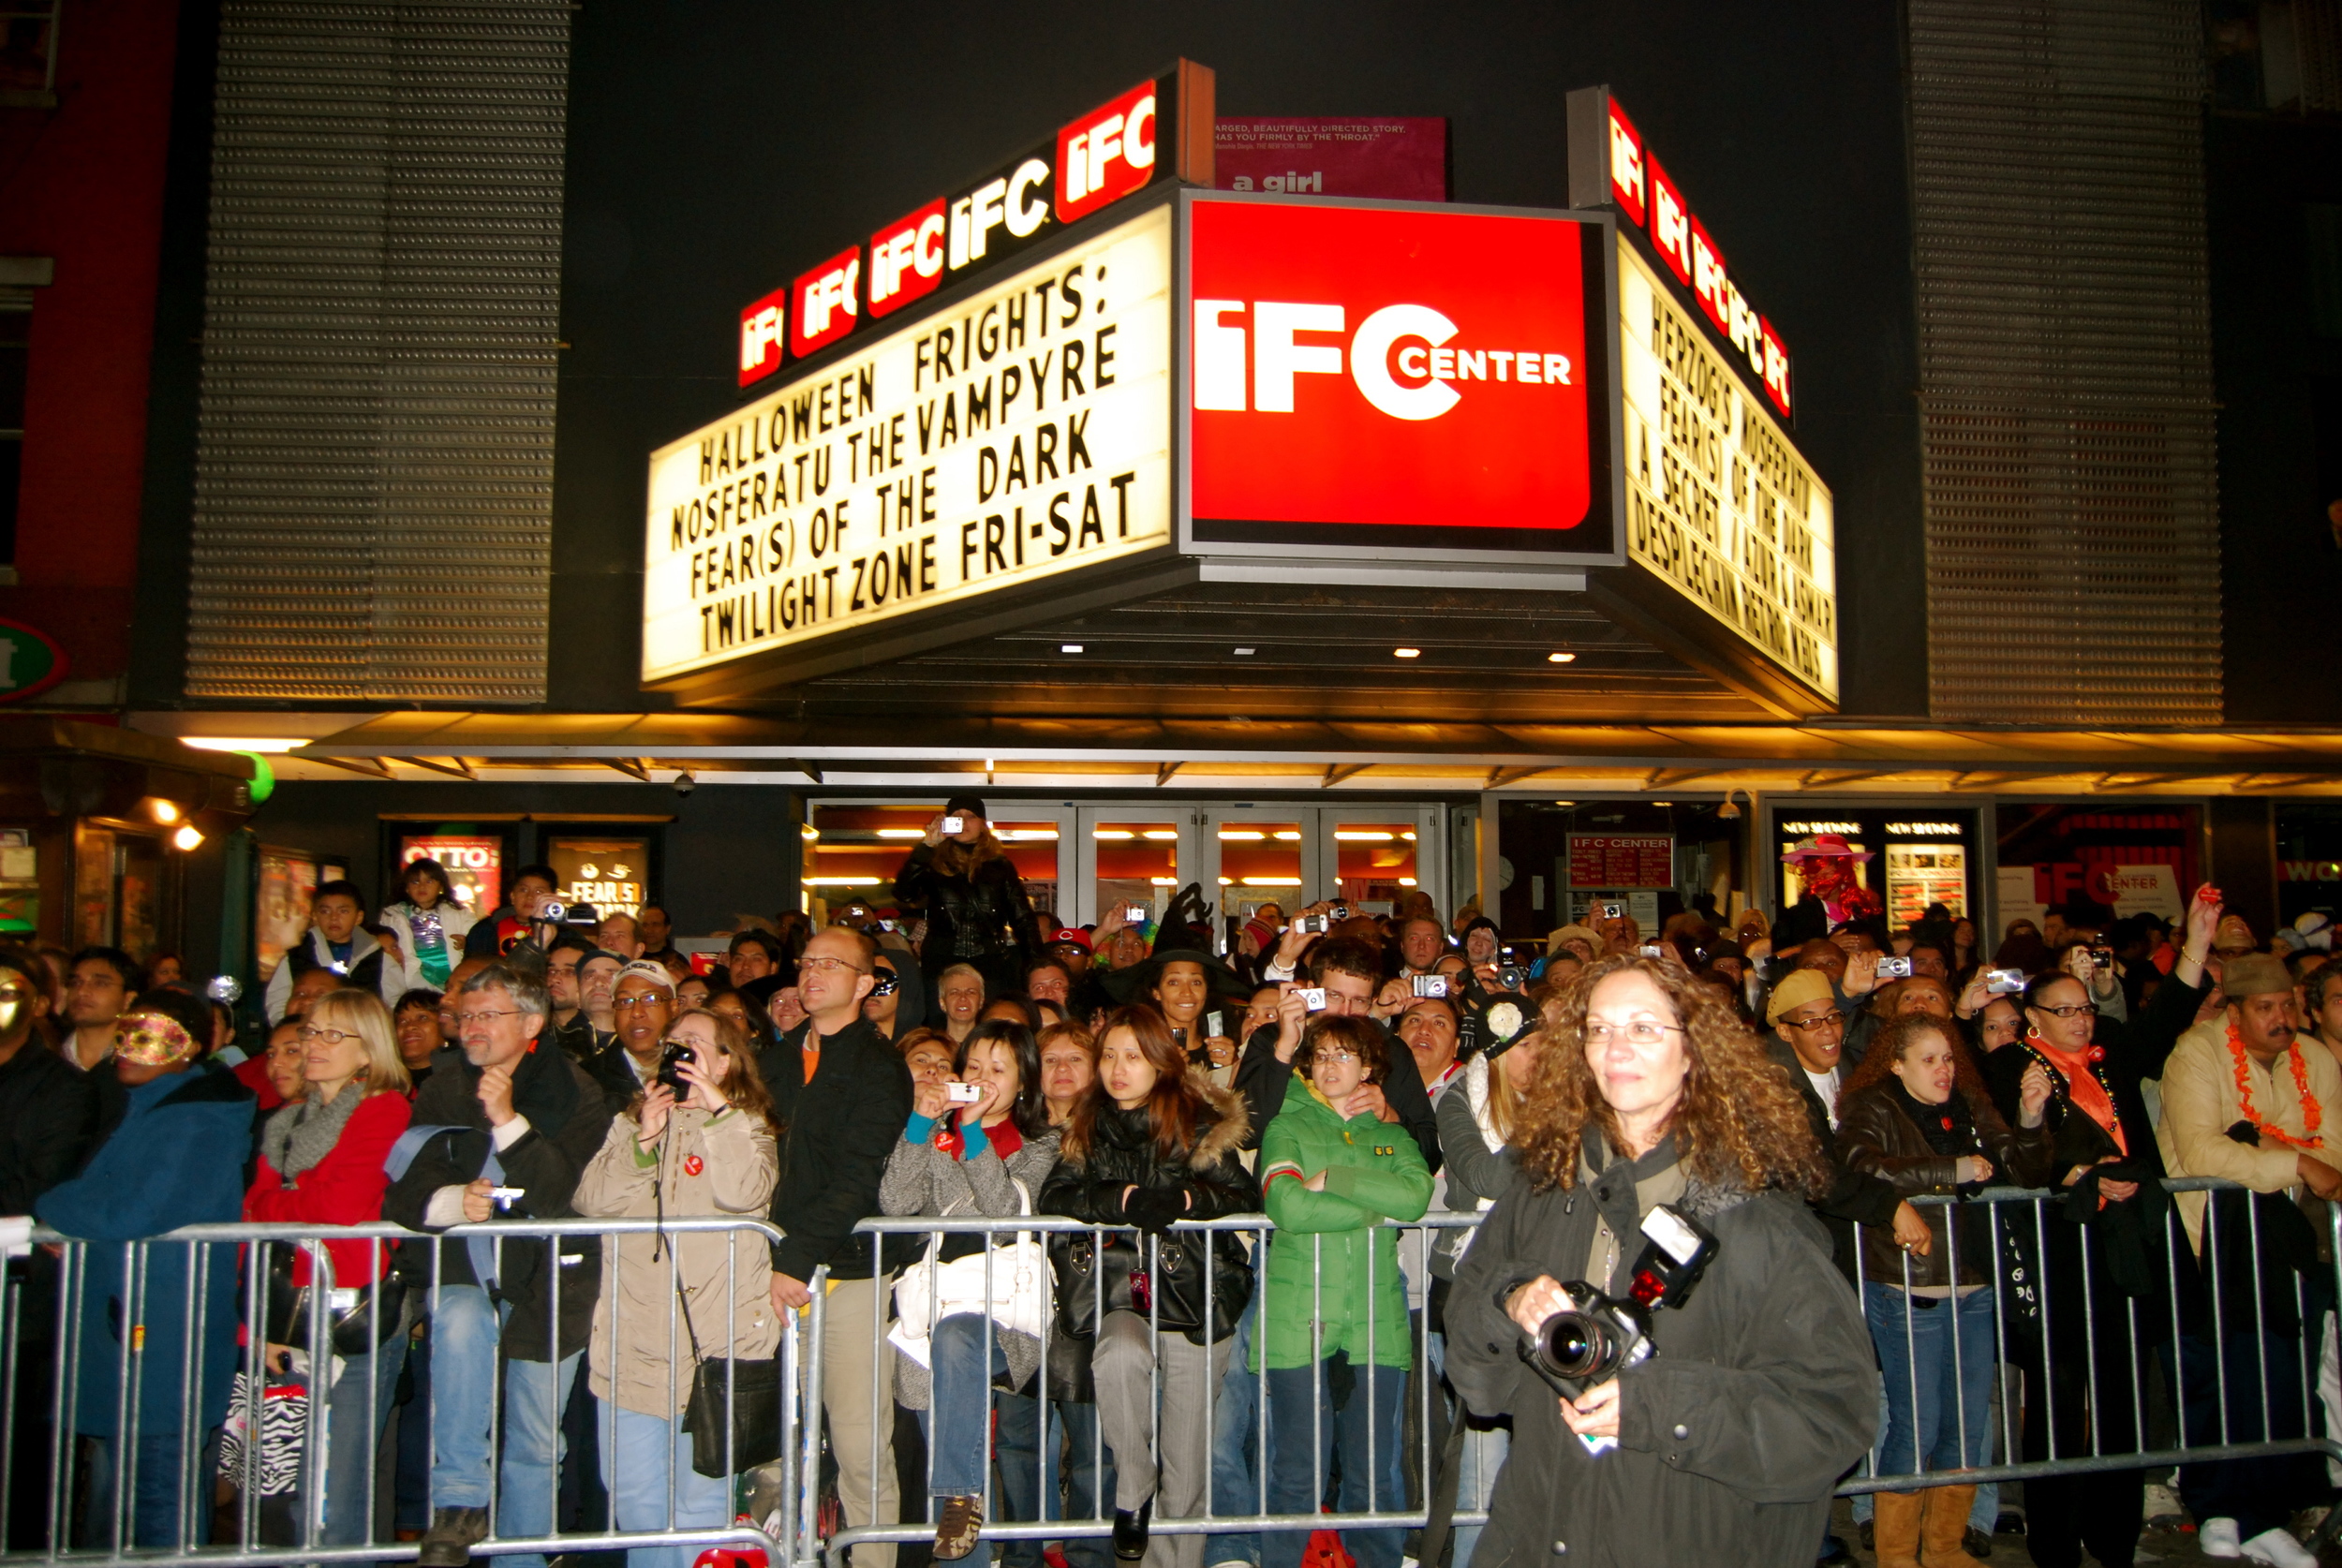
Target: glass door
[(855, 848), (1261, 855), (1131, 856)]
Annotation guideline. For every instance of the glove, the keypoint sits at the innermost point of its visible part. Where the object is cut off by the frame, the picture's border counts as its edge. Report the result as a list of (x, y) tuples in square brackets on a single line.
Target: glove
[(1154, 1209)]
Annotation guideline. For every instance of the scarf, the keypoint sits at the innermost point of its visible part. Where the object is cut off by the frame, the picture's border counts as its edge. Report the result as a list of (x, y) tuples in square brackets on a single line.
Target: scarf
[(299, 1137), (2085, 1090), (1950, 1127), (1001, 1137)]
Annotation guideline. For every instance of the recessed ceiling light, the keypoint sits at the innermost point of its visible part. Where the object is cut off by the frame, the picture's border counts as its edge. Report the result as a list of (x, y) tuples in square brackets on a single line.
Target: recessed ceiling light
[(1406, 653), (1069, 648), (1560, 659), (1663, 803), (242, 742), (1244, 653)]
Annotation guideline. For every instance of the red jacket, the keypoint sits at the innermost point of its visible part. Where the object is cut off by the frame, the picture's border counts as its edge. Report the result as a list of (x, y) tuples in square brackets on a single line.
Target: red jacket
[(345, 1188)]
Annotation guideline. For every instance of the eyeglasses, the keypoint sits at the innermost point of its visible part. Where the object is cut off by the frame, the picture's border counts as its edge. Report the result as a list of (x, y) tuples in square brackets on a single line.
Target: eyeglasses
[(829, 965), (685, 1043), (640, 1003), (331, 1037), (2074, 1009), (1641, 1032), (1827, 1020), (466, 1020), (1336, 1055)]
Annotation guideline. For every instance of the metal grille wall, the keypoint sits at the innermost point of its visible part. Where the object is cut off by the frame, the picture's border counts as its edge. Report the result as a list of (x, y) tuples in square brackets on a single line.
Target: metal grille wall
[(2066, 369), (374, 475)]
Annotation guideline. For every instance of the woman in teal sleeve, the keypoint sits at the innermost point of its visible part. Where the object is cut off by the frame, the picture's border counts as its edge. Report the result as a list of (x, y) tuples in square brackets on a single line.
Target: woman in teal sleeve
[(1332, 1169)]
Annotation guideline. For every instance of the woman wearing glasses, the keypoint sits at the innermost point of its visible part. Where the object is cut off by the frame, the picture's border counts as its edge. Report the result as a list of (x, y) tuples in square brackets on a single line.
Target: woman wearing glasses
[(706, 1149), (322, 1163), (2110, 1285), (1331, 1171), (1725, 1444)]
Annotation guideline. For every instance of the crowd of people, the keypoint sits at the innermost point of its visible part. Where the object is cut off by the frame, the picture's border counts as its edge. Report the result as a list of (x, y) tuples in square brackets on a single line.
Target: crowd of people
[(1727, 1222)]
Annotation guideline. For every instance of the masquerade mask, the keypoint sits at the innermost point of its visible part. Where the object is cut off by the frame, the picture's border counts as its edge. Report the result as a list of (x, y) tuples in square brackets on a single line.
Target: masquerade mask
[(152, 1039), (16, 999)]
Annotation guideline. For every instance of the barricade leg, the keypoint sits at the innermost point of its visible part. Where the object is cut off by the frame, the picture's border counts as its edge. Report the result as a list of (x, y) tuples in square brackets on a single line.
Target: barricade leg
[(533, 1392), (645, 1452), (846, 1373)]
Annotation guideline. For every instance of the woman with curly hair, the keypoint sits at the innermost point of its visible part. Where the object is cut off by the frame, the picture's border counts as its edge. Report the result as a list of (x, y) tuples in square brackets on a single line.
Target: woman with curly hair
[(1724, 1444), (1917, 1115)]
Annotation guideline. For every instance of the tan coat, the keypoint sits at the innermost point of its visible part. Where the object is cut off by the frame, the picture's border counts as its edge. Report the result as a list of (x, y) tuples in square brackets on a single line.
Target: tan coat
[(737, 1167), (2200, 1103)]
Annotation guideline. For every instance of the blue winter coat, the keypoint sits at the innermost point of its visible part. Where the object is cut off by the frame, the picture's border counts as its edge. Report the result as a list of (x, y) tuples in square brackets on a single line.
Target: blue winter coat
[(175, 1159)]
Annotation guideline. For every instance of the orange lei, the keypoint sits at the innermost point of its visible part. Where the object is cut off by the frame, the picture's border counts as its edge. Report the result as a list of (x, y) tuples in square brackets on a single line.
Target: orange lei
[(2311, 1114)]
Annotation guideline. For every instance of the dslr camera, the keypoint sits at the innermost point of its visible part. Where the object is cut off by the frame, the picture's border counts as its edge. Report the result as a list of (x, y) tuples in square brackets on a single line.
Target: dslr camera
[(1597, 1336)]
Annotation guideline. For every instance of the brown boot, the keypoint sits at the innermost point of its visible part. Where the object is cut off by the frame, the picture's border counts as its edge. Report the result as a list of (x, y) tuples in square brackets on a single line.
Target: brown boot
[(1895, 1528), (1943, 1520)]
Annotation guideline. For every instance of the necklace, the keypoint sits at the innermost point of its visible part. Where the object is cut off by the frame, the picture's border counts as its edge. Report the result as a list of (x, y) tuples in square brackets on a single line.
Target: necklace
[(2311, 1113)]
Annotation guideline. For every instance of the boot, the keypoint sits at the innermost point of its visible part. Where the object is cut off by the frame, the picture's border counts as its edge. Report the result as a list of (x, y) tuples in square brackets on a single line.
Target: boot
[(1943, 1520), (1895, 1528)]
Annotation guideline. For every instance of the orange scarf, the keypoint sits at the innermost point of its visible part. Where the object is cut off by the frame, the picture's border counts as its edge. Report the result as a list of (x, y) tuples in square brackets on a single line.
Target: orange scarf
[(2083, 1088)]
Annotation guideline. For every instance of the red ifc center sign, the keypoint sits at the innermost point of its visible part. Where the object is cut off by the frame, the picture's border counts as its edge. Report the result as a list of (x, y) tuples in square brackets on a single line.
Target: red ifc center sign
[(1357, 371)]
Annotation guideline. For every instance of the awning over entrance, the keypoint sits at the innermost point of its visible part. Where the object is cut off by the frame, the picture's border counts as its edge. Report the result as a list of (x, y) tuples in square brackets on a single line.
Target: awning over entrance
[(1049, 752)]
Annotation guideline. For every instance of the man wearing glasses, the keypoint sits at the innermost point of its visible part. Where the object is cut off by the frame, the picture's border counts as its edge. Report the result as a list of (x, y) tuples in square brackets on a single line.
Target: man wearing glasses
[(843, 1096), (502, 1134), (1809, 1037), (642, 1004)]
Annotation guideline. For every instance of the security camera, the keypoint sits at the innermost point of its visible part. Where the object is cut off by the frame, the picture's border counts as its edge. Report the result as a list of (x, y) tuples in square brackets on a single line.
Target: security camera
[(685, 783)]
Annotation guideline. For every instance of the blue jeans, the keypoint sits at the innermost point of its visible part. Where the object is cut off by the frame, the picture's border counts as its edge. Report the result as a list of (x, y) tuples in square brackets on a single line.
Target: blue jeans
[(1235, 1446), (960, 1405), (1023, 1458), (412, 1508), (463, 1414), (351, 1442), (636, 1468), (153, 1492), (1307, 1425), (1950, 1425)]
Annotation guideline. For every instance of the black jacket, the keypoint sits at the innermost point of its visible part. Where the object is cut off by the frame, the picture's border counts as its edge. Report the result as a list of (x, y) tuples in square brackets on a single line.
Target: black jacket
[(1763, 1393), (579, 1037), (609, 1068), (568, 1120), (836, 1133), (1262, 1079), (1209, 1178), (981, 917), (1855, 1197), (48, 1122)]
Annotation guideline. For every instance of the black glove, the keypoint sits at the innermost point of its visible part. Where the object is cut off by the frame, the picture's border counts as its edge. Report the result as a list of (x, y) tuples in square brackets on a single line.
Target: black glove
[(1155, 1208)]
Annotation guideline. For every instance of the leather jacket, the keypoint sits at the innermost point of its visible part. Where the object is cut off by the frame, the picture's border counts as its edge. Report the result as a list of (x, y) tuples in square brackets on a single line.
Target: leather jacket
[(1878, 1136)]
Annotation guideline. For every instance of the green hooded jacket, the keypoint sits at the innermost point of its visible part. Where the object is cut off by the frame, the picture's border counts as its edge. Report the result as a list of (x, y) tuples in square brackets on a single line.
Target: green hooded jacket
[(1328, 1260)]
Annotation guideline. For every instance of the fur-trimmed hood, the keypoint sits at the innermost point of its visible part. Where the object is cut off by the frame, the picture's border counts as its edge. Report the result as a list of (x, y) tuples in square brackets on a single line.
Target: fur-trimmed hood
[(1223, 1133)]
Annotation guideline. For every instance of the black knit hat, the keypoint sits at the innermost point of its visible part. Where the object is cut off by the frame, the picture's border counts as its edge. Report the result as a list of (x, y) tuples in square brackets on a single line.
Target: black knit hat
[(968, 806)]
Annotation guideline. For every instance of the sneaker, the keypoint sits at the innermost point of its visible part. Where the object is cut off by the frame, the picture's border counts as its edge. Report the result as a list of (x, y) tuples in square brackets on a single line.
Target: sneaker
[(2162, 1502), (453, 1534), (2218, 1538), (2277, 1549), (956, 1532)]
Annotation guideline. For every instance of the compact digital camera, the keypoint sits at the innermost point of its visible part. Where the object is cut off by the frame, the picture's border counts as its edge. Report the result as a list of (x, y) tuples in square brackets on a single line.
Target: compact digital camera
[(1313, 997), (670, 1059), (1430, 985), (2004, 982), (1894, 969)]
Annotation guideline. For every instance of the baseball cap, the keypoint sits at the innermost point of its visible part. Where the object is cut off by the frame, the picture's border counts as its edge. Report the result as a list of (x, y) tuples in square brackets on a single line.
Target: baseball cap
[(1069, 936)]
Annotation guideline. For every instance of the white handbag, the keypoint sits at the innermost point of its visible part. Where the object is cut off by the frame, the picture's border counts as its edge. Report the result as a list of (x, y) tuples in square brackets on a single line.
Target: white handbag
[(931, 1291)]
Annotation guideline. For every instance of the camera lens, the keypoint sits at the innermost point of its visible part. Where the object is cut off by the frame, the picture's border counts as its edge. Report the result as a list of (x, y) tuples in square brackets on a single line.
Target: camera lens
[(1576, 1346)]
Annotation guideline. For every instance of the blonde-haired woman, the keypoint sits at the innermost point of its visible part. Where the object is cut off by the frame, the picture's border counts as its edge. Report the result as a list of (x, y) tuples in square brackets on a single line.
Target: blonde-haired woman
[(976, 909), (708, 1151), (322, 1164)]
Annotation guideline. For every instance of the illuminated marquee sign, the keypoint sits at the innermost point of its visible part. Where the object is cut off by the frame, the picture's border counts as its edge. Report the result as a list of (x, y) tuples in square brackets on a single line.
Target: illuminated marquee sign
[(1398, 377), (1159, 129), (1608, 162), (1719, 505), (1023, 433)]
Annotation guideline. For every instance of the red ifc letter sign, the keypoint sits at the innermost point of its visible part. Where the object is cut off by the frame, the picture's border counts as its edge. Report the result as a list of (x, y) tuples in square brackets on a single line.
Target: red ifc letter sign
[(1106, 154), (827, 300), (760, 336), (1416, 368), (906, 259)]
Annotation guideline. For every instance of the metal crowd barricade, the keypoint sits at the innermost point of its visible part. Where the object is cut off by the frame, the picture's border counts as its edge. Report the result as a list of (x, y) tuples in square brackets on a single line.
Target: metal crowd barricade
[(93, 1518), (2168, 1325), (44, 1321)]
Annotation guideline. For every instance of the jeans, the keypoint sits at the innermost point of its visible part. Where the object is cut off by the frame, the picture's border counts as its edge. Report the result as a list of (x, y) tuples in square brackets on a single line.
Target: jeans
[(411, 1509), (463, 1417), (353, 1441), (1939, 1393), (1309, 1432), (644, 1453), (1235, 1445), (1985, 1512), (155, 1494), (960, 1405)]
